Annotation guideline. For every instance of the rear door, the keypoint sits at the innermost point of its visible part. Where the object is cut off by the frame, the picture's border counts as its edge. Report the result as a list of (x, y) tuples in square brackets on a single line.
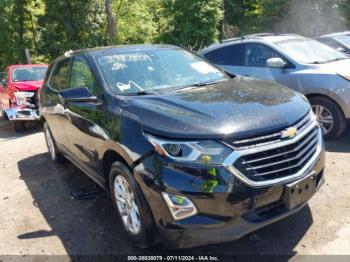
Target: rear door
[(229, 58)]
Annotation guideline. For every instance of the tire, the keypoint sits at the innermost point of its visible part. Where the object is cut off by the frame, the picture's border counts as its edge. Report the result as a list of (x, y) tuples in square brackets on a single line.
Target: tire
[(326, 109), (19, 126), (144, 236), (54, 153)]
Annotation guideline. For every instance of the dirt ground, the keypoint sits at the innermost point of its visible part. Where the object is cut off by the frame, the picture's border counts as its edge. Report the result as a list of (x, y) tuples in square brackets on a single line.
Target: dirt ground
[(38, 216)]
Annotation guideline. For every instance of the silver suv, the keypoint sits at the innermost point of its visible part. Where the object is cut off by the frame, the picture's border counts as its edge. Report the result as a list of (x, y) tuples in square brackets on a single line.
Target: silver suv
[(321, 73)]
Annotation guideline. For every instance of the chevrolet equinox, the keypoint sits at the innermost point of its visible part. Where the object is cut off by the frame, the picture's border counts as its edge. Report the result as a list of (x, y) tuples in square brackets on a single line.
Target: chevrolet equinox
[(189, 154)]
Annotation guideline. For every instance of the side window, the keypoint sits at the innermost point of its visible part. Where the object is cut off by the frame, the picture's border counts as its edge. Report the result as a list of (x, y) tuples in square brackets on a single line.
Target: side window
[(59, 78), (81, 75), (228, 55), (258, 54)]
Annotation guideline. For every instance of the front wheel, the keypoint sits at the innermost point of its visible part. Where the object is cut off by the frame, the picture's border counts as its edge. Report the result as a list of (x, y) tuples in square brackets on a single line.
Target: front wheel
[(132, 208), (330, 117)]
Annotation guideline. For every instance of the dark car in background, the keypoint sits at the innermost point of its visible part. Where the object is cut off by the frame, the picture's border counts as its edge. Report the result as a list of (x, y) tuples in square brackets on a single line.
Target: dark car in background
[(339, 41), (188, 154), (305, 65)]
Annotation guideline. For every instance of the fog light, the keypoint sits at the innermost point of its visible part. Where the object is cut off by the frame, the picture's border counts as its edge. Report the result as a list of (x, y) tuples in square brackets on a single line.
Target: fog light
[(180, 207)]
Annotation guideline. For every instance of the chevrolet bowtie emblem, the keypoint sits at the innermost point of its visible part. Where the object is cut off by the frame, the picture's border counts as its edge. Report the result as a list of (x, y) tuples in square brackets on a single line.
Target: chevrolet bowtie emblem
[(289, 132)]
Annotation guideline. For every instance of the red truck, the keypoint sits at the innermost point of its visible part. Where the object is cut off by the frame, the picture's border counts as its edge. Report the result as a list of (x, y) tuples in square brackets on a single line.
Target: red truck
[(18, 93)]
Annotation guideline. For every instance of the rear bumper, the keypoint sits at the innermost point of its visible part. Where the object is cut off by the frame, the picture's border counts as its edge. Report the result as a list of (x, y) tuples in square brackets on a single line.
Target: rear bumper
[(25, 114)]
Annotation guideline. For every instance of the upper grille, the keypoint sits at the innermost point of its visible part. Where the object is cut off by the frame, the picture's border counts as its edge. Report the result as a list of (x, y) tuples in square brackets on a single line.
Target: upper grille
[(267, 139), (276, 159)]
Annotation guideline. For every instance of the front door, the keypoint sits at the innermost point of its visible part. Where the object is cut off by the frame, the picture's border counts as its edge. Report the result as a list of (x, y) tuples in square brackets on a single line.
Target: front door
[(85, 133), (54, 107), (255, 58)]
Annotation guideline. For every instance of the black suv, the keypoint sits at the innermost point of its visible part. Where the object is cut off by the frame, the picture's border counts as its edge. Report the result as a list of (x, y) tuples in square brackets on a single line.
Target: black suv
[(190, 155)]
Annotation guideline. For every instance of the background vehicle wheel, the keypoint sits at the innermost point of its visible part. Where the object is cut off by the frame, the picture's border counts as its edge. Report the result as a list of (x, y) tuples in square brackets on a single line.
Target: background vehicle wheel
[(132, 208), (330, 117), (19, 126), (55, 155)]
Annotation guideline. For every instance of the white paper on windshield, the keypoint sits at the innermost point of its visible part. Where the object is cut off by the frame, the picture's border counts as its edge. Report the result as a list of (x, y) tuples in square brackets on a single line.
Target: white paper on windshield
[(123, 87), (203, 68)]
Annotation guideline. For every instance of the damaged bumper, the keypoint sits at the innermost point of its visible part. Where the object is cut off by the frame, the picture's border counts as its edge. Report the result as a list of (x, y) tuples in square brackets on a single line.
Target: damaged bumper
[(22, 114)]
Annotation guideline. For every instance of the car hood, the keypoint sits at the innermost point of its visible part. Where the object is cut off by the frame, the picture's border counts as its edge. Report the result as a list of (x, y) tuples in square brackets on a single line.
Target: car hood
[(336, 66), (241, 107), (28, 85)]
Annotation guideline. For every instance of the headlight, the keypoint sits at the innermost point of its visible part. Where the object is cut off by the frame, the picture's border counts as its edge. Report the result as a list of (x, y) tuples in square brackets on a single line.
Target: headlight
[(203, 151), (21, 98)]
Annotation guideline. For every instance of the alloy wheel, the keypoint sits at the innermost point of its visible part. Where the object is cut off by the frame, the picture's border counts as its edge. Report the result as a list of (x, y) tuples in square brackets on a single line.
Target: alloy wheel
[(50, 144), (127, 206), (324, 117)]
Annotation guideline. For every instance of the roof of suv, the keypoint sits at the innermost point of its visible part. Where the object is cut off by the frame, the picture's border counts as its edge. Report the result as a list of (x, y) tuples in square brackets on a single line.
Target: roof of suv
[(262, 37)]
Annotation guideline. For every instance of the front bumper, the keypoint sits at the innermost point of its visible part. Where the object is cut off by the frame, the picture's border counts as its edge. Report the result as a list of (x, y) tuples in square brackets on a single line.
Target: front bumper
[(22, 114), (226, 212)]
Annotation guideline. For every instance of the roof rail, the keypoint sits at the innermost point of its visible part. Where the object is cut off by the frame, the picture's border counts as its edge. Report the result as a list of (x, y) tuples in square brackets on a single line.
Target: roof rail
[(257, 36), (231, 39)]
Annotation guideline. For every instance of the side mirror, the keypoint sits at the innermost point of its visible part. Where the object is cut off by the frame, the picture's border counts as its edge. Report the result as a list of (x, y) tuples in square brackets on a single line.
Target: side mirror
[(77, 95), (276, 62), (4, 82)]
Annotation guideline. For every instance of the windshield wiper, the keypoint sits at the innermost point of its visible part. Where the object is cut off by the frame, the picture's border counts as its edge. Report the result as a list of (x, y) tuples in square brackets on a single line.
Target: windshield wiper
[(328, 61), (337, 59), (199, 84), (139, 93), (145, 92)]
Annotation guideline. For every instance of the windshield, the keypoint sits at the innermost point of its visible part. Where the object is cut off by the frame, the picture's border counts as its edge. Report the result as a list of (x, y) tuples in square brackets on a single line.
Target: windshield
[(28, 74), (345, 39), (157, 70), (310, 51)]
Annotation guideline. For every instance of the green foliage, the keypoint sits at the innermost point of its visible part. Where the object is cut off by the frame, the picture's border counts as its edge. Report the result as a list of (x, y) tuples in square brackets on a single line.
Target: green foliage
[(136, 21), (71, 24), (193, 24), (252, 16), (50, 27)]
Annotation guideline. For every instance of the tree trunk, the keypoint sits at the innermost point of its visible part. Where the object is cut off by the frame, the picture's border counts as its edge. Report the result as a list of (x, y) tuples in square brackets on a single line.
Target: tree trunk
[(110, 22), (222, 35)]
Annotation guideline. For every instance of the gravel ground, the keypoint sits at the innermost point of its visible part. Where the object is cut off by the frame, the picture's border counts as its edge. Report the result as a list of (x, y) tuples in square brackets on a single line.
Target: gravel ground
[(38, 217)]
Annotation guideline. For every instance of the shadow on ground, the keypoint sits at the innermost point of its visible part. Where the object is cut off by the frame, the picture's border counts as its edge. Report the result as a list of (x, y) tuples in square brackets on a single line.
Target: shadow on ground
[(90, 226), (341, 145), (8, 132)]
